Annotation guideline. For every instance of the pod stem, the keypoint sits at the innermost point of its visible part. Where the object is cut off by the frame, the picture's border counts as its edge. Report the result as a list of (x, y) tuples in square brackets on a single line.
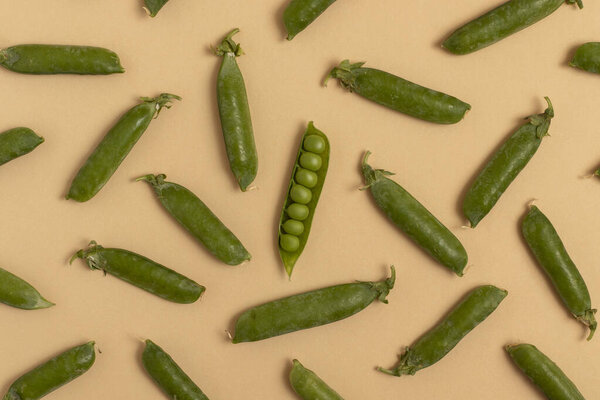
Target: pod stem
[(578, 2), (542, 121), (383, 287), (154, 180), (371, 175), (91, 257), (344, 73), (228, 46), (588, 319), (401, 368), (164, 100)]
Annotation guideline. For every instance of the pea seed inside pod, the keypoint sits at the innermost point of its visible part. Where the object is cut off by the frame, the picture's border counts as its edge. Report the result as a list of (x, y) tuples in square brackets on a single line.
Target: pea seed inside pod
[(293, 227), (315, 144), (311, 161), (306, 178), (298, 211), (289, 242), (300, 194)]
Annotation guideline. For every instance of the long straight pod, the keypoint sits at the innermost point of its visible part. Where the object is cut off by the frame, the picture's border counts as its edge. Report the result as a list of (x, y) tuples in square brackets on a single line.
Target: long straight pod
[(301, 13), (17, 142), (309, 386), (15, 292)]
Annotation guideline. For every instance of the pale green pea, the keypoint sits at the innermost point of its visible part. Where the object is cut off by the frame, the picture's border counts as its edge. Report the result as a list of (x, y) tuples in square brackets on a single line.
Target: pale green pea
[(311, 161), (289, 242), (297, 211), (300, 194), (293, 227), (314, 143), (306, 178)]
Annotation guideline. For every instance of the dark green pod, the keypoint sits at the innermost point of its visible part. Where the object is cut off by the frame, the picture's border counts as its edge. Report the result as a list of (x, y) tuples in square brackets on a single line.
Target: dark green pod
[(44, 59), (17, 142), (443, 337), (399, 94), (141, 272), (165, 372), (548, 249), (197, 219), (154, 6), (543, 372), (505, 165), (53, 374), (414, 219), (15, 292), (234, 112), (310, 309), (501, 22), (587, 57), (309, 386), (301, 13)]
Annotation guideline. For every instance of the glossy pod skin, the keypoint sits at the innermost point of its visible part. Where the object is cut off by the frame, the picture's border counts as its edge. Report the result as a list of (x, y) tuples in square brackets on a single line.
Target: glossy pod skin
[(505, 165), (414, 219), (543, 372), (234, 112), (587, 57), (308, 180), (399, 94), (165, 372), (115, 146), (141, 272), (443, 337), (550, 252), (43, 59), (197, 219), (301, 13), (309, 386), (15, 292), (17, 142), (310, 309), (154, 6), (53, 374), (501, 22)]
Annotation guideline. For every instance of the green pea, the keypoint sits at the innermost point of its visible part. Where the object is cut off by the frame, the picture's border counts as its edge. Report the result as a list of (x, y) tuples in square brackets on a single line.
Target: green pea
[(289, 242), (309, 386), (53, 374), (399, 94), (315, 144), (310, 309), (293, 227), (17, 142), (141, 272), (154, 6), (443, 337), (300, 194), (587, 57), (297, 211), (300, 13), (311, 161), (15, 292), (306, 178)]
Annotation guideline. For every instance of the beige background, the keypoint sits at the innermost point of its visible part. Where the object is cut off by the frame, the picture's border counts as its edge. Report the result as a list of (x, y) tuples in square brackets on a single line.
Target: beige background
[(350, 239)]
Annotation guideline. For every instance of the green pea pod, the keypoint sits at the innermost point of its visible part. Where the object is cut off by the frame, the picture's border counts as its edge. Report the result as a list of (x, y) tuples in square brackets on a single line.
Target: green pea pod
[(399, 94), (414, 219), (501, 22), (197, 219), (310, 309), (550, 252), (543, 372), (587, 57), (309, 386), (141, 272), (304, 191), (15, 292), (53, 374), (443, 337), (154, 6), (115, 146), (17, 142), (301, 13), (165, 372), (505, 165), (44, 59), (234, 111)]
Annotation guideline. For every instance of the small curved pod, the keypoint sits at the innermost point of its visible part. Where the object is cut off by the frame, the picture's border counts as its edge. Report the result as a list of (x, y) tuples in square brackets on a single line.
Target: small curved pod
[(17, 142), (197, 219), (505, 165), (309, 386), (15, 292), (45, 59), (53, 374), (306, 184), (141, 272), (550, 252), (165, 372), (587, 57), (501, 22), (310, 309), (414, 219), (443, 337), (301, 13), (543, 372), (399, 94), (154, 6)]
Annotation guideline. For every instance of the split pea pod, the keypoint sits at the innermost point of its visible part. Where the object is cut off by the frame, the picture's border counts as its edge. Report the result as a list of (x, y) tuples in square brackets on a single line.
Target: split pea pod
[(15, 292), (414, 219), (399, 94), (543, 372), (198, 220), (17, 142), (165, 372), (115, 146), (301, 13), (141, 272), (443, 337), (550, 252), (234, 112), (53, 374), (587, 57), (309, 309), (501, 22), (45, 59), (154, 6), (308, 176), (505, 165), (309, 386)]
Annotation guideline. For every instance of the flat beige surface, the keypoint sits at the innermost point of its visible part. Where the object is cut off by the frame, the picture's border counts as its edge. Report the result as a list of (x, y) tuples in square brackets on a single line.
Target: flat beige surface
[(350, 239)]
